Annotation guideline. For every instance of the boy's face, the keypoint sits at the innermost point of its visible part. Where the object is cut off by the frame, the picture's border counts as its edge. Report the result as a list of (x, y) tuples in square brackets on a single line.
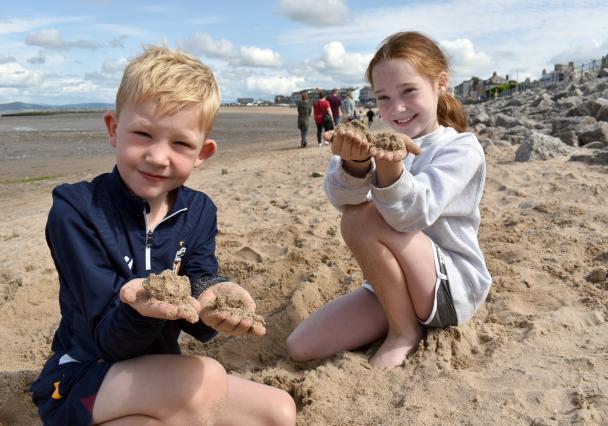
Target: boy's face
[(156, 153)]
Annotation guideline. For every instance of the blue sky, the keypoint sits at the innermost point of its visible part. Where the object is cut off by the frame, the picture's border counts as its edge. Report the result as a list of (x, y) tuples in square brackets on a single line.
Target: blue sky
[(74, 51)]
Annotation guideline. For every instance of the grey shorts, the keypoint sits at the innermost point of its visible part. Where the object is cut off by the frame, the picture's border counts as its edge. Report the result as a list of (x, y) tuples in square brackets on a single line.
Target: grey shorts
[(443, 313)]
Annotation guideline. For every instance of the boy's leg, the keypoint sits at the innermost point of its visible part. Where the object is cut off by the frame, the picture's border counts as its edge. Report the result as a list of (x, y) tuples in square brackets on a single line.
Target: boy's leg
[(250, 403), (401, 268), (350, 321), (161, 389)]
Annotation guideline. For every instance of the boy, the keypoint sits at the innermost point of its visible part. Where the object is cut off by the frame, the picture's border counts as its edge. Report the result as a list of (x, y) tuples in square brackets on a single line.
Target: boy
[(116, 355)]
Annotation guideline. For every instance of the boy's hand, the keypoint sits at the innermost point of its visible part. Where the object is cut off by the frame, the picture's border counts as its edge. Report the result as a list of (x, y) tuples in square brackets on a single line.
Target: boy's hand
[(232, 323), (134, 294)]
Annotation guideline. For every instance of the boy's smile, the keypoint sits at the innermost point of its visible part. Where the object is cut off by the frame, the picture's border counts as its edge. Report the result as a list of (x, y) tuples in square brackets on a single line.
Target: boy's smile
[(407, 100), (156, 153)]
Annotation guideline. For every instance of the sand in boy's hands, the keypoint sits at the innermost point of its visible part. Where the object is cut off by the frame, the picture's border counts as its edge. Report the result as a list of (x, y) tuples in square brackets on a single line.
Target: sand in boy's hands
[(384, 141), (235, 306), (168, 287)]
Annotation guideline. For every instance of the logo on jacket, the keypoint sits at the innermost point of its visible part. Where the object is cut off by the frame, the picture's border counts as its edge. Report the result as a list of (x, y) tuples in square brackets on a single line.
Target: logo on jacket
[(177, 261)]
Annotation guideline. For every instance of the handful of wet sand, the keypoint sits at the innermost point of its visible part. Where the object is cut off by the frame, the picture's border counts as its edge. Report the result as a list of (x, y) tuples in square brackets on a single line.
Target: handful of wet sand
[(385, 141), (236, 306), (168, 287)]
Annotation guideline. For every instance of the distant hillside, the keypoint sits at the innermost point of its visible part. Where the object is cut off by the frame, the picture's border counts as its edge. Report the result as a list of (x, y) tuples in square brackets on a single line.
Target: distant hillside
[(16, 107)]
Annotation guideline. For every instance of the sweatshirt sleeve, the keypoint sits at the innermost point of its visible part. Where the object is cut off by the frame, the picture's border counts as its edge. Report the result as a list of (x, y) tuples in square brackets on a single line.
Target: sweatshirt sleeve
[(90, 286), (451, 184), (344, 189)]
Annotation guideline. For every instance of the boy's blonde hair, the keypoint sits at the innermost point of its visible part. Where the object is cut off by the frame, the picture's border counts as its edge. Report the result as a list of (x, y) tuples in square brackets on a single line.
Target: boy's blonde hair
[(172, 78)]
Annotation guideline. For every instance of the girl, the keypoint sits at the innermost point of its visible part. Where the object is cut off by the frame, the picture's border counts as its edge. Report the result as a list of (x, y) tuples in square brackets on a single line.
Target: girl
[(411, 223)]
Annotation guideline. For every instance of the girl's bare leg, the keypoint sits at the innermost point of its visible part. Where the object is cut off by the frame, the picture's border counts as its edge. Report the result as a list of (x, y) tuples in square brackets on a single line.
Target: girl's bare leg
[(401, 267), (345, 323)]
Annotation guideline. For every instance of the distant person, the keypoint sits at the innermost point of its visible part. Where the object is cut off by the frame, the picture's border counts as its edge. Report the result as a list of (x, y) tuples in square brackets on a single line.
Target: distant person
[(116, 354), (323, 117), (412, 226), (349, 107), (304, 110), (370, 117), (335, 101)]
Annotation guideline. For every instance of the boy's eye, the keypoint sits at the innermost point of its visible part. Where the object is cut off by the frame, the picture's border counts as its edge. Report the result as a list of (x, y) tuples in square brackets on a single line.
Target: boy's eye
[(142, 134), (183, 144)]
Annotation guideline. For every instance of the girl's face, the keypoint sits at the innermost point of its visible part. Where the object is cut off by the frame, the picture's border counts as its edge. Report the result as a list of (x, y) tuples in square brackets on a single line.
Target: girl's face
[(407, 101)]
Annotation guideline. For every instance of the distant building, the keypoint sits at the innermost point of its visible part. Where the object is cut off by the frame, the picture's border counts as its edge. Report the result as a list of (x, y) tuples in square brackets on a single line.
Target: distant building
[(366, 96), (244, 101), (281, 99)]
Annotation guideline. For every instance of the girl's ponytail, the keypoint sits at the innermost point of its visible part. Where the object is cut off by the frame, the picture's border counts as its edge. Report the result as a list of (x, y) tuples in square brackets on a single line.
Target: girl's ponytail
[(450, 112)]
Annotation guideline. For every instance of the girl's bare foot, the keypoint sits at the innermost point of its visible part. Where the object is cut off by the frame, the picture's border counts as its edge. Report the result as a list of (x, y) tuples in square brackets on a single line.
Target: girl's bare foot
[(394, 350)]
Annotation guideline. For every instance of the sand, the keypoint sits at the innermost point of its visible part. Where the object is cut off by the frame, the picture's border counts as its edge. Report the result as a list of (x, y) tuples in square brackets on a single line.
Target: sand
[(382, 141), (168, 287), (536, 353)]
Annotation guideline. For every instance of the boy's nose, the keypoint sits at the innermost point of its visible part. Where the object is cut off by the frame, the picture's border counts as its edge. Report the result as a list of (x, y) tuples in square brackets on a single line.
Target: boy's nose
[(157, 154)]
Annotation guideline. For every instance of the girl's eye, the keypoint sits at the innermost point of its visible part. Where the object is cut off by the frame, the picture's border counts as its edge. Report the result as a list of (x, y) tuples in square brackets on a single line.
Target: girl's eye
[(382, 98)]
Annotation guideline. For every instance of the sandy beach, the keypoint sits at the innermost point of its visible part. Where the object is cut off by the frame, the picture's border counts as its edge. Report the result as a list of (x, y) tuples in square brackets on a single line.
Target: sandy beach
[(536, 353)]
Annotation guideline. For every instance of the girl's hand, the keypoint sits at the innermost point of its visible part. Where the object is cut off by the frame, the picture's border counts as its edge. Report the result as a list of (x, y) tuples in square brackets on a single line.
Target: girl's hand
[(349, 145), (134, 294), (393, 156), (226, 322)]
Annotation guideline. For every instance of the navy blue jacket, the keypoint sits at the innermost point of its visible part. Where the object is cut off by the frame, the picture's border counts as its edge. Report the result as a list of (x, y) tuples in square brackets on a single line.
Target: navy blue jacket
[(98, 239)]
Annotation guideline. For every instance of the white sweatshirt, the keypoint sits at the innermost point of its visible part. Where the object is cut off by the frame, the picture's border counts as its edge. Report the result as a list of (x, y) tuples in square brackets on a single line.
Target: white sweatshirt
[(438, 193)]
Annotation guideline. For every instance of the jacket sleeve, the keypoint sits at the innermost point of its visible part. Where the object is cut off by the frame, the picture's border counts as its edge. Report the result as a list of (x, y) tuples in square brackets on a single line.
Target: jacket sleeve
[(92, 283), (451, 184), (201, 265), (344, 189)]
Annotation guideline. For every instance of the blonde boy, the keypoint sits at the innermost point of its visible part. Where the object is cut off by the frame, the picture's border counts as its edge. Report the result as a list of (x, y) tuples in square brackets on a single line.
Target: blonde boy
[(116, 356)]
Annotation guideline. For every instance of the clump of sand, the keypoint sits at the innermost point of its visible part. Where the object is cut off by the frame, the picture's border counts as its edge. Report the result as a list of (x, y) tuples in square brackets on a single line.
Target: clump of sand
[(235, 306), (384, 141), (168, 287)]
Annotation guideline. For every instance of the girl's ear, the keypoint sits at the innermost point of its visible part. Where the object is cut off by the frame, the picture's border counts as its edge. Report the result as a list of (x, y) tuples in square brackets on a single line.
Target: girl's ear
[(207, 150), (443, 81), (111, 121)]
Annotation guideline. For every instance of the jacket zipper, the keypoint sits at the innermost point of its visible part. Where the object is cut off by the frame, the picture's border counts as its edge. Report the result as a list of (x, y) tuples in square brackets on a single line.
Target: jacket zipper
[(149, 237)]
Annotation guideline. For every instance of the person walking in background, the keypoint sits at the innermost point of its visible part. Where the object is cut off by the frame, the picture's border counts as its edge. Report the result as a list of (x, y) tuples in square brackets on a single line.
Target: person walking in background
[(370, 117), (411, 225), (323, 117), (349, 107), (304, 110), (335, 101)]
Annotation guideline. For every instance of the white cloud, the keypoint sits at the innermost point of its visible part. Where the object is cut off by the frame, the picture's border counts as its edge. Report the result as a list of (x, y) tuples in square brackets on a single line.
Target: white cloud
[(51, 39), (464, 59), (258, 57), (14, 75), (337, 61), (5, 59), (272, 84), (20, 25), (317, 13), (204, 44), (39, 59), (114, 66)]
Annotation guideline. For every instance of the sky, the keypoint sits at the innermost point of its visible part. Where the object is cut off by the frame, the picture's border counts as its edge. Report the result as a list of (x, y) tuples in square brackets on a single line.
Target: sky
[(64, 52)]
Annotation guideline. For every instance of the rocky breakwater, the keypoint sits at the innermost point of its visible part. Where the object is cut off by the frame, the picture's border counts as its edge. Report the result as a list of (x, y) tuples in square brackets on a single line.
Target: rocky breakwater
[(548, 121)]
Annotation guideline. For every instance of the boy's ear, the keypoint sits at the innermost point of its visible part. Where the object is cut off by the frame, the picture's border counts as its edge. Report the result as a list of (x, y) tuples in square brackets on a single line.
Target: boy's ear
[(207, 150), (111, 121)]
